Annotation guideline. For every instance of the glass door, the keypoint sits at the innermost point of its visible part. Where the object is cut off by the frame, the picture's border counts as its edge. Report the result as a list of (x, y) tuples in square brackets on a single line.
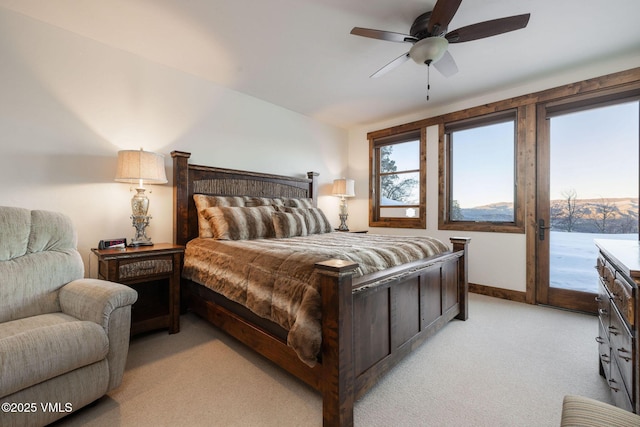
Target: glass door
[(587, 189)]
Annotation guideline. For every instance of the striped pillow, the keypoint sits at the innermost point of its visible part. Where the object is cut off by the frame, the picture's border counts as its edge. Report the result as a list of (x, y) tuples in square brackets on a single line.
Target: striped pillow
[(204, 201), (315, 219), (262, 201), (299, 203), (289, 224), (240, 223)]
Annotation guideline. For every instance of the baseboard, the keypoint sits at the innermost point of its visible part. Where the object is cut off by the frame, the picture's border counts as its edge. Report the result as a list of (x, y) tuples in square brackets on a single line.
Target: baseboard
[(490, 291)]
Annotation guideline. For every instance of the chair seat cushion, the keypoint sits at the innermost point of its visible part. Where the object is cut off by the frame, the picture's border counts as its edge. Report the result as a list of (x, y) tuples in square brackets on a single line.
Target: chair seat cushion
[(35, 349)]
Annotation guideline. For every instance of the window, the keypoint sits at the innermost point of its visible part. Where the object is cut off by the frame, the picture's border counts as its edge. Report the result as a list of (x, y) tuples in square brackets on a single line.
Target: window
[(398, 180), (480, 187)]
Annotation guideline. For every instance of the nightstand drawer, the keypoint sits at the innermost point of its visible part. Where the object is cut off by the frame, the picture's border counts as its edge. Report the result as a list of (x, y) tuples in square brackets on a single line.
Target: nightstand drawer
[(144, 268)]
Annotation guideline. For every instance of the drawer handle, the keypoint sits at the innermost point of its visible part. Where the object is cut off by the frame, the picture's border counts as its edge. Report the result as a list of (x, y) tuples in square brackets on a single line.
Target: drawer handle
[(605, 358), (598, 299), (600, 340), (603, 312), (624, 350), (614, 330), (612, 387)]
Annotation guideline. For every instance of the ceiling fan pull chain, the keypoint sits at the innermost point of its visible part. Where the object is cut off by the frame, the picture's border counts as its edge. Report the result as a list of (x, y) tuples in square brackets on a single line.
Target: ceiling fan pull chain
[(428, 76)]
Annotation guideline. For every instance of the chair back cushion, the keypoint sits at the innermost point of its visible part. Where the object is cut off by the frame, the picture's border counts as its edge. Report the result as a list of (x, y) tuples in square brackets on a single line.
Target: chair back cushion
[(38, 255)]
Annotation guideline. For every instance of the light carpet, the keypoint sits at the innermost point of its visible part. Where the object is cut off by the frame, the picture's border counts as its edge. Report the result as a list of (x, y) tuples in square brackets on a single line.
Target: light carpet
[(510, 364)]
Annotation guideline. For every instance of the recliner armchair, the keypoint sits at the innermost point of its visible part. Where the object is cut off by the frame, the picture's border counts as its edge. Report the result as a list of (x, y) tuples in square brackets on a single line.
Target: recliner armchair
[(63, 338)]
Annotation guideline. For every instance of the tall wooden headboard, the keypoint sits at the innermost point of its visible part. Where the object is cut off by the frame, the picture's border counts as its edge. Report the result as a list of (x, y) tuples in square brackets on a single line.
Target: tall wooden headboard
[(191, 179)]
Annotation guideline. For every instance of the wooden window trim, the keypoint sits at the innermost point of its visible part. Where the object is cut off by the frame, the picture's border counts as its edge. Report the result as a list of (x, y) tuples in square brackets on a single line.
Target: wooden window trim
[(377, 140), (444, 159)]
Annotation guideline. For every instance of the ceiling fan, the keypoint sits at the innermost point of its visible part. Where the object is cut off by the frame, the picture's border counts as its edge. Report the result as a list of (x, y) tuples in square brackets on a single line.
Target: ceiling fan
[(430, 36)]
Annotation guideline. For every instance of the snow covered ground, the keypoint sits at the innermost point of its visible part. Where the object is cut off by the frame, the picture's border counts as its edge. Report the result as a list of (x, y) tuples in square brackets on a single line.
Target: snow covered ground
[(573, 258)]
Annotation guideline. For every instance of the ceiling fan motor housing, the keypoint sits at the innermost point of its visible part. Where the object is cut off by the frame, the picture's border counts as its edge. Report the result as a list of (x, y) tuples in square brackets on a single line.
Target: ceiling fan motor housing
[(420, 25)]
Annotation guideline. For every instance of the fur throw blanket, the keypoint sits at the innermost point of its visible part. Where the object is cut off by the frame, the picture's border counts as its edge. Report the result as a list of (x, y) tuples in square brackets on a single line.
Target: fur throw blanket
[(276, 278)]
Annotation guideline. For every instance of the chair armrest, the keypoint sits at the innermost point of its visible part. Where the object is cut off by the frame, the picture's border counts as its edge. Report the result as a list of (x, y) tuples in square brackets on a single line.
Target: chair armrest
[(109, 305), (94, 299), (579, 411)]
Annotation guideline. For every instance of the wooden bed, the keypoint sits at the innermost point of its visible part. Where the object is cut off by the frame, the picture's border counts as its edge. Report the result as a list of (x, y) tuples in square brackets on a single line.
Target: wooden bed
[(369, 323)]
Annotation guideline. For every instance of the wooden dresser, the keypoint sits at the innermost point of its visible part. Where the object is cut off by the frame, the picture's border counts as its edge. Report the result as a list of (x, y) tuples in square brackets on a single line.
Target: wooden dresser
[(618, 309)]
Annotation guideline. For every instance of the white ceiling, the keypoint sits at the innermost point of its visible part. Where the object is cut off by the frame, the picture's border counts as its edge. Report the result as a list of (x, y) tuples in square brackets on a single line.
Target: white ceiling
[(299, 54)]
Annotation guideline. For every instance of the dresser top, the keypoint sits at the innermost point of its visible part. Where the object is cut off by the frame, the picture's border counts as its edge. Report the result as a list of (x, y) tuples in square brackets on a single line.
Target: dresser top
[(624, 253)]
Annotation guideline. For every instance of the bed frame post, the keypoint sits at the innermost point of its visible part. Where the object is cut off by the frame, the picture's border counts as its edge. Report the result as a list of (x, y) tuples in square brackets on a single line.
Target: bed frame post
[(338, 393), (462, 244), (313, 187), (180, 196)]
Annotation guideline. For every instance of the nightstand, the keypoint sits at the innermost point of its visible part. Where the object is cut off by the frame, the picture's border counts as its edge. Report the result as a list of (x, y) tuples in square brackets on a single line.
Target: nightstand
[(154, 272)]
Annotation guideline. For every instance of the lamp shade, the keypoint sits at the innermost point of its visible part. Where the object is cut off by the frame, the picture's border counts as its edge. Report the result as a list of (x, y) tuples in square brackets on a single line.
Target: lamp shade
[(344, 187), (138, 166), (429, 50)]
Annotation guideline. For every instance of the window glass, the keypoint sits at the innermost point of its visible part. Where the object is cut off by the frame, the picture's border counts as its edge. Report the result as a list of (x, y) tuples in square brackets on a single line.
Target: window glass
[(399, 174), (403, 156), (482, 173)]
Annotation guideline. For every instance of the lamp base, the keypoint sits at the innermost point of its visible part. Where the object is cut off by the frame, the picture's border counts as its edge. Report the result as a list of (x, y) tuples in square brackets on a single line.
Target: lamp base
[(140, 223), (343, 223), (136, 244)]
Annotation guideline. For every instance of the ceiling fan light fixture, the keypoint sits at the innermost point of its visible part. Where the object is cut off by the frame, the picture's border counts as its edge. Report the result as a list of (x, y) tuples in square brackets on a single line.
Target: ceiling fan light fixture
[(429, 50)]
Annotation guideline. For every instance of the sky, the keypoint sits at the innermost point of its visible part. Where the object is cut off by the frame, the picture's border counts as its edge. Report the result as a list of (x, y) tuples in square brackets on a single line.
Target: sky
[(595, 152), (483, 165)]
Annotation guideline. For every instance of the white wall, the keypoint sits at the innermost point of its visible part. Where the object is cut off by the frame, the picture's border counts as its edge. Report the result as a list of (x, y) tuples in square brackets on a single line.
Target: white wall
[(495, 259), (68, 104)]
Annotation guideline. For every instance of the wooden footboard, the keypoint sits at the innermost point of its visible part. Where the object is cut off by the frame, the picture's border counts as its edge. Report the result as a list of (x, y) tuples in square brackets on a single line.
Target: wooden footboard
[(368, 324)]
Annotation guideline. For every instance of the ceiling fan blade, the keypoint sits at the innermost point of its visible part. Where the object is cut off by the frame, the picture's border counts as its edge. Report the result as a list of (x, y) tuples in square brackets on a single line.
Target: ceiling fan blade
[(488, 28), (441, 15), (391, 65), (383, 35), (446, 65)]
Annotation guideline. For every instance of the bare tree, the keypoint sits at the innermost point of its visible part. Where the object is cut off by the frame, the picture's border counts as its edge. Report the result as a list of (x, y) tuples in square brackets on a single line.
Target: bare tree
[(566, 213), (628, 222), (605, 211)]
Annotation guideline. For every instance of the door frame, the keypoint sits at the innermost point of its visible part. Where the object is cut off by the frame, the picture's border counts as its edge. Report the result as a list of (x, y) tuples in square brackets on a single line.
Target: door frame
[(538, 249)]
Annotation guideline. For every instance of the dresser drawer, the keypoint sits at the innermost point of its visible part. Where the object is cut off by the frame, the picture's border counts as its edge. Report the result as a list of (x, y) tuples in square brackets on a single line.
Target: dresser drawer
[(622, 295), (624, 359), (604, 348), (608, 276), (620, 339), (618, 391)]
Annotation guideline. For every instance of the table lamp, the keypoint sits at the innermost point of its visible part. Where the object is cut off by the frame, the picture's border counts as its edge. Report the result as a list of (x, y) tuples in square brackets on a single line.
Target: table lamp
[(343, 188), (140, 167)]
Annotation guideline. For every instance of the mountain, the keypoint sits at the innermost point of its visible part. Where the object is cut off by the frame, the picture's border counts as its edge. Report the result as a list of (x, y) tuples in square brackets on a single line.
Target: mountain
[(494, 212), (588, 210)]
